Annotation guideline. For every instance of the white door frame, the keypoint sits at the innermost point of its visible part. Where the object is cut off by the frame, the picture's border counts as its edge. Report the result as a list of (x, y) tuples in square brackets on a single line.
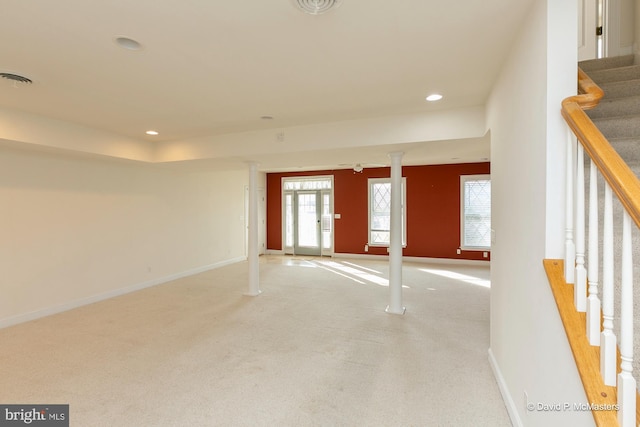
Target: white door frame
[(289, 249)]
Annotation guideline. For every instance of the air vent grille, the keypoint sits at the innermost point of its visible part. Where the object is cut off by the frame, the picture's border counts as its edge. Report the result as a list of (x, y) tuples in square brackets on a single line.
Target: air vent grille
[(317, 7), (16, 78)]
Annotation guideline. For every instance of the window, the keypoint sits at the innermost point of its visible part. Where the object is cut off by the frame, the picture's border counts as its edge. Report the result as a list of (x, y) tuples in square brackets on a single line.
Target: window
[(475, 215), (380, 211)]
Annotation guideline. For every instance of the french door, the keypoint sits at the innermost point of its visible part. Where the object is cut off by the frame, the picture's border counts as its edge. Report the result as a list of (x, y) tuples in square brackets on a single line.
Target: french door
[(307, 215), (307, 237)]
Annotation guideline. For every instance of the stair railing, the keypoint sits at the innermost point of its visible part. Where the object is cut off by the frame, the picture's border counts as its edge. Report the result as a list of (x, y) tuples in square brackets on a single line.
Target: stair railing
[(585, 137)]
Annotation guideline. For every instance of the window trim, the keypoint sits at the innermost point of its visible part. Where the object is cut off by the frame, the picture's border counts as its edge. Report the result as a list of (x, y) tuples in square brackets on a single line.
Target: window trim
[(403, 207), (463, 180)]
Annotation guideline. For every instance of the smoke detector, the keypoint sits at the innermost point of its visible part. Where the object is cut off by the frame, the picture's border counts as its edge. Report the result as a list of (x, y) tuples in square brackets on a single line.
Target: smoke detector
[(16, 78), (316, 7)]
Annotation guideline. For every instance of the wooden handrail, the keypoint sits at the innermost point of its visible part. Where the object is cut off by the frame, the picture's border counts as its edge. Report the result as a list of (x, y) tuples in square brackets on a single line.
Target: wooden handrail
[(615, 171)]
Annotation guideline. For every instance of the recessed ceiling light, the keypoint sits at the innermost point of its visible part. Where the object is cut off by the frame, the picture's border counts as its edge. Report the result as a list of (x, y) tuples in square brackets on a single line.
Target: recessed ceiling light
[(151, 132), (128, 43), (434, 97)]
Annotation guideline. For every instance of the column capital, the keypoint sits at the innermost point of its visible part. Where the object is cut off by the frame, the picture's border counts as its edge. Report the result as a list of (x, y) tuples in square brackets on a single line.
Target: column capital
[(396, 154)]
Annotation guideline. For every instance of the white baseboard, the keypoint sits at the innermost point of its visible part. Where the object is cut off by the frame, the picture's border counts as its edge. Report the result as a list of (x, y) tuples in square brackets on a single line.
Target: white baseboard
[(504, 391), (423, 260), (21, 318)]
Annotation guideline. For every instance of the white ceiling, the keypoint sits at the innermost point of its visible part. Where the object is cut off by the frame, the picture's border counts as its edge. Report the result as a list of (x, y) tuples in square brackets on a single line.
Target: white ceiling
[(212, 67)]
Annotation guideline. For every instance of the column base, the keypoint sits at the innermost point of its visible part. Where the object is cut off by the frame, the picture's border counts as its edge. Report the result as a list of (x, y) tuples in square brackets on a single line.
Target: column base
[(252, 294), (401, 312)]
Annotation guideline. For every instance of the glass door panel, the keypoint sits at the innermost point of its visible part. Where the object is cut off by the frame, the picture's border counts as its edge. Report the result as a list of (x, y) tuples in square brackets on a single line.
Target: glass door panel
[(307, 223), (327, 218)]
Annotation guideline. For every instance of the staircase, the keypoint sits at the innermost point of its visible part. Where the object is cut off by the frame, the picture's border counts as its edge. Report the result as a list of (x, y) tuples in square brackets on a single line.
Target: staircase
[(618, 118)]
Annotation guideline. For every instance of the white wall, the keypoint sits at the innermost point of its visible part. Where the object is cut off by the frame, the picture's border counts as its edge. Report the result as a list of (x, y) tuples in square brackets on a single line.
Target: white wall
[(627, 26), (529, 348), (620, 27), (74, 229), (636, 29)]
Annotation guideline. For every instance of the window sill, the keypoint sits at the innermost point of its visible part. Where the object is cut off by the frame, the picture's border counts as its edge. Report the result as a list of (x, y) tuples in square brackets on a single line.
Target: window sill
[(476, 249)]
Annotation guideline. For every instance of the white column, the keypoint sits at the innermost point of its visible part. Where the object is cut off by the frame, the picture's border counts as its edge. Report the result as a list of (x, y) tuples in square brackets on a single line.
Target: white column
[(252, 250), (395, 243)]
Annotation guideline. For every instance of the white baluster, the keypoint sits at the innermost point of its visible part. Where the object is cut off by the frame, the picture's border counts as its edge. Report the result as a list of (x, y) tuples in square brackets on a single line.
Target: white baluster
[(570, 246), (608, 340), (580, 289), (626, 382), (593, 302)]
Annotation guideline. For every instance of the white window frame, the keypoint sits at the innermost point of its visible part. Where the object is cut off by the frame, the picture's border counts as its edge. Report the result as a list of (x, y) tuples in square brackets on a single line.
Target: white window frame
[(463, 180), (403, 207)]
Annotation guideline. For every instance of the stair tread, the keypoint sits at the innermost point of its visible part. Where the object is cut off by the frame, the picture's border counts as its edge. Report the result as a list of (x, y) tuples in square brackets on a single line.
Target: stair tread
[(629, 72), (620, 89), (606, 100), (627, 117), (605, 63), (624, 139), (619, 126), (617, 106)]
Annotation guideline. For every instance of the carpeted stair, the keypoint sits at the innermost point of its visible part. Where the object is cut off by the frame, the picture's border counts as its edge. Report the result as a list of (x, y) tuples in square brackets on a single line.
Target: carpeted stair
[(618, 114), (618, 118)]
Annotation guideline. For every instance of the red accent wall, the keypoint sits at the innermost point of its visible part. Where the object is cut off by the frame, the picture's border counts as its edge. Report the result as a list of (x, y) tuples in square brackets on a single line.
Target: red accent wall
[(433, 209)]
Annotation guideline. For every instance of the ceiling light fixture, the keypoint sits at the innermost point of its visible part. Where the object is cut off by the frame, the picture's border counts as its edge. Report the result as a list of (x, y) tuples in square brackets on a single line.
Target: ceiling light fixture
[(128, 43), (434, 97), (317, 7), (152, 132)]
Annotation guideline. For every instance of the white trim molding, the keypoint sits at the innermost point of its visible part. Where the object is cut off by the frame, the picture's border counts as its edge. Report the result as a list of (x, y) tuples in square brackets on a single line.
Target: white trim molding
[(504, 391)]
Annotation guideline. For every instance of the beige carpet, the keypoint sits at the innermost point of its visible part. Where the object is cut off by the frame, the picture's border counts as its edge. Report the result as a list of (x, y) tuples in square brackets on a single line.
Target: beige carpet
[(315, 349)]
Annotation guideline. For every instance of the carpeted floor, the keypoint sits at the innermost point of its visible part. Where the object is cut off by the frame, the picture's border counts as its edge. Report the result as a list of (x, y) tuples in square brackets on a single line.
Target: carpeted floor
[(315, 349)]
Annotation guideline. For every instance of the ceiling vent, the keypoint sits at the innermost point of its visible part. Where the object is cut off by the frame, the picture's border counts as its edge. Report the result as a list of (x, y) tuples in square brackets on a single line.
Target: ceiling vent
[(16, 78), (317, 7)]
